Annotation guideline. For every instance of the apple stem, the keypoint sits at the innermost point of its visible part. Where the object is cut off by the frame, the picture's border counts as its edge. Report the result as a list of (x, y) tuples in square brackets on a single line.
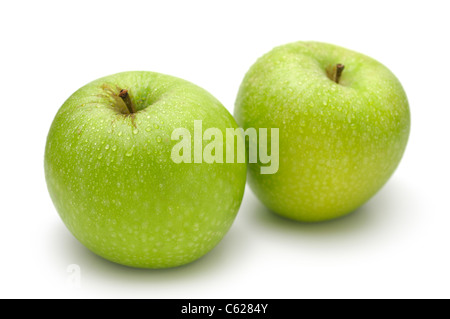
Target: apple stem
[(338, 72), (123, 94)]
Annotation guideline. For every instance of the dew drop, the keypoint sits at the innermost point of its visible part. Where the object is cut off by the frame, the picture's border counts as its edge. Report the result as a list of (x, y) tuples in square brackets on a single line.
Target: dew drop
[(120, 134), (148, 129), (349, 118), (114, 148), (107, 147), (135, 131), (100, 156), (130, 152), (156, 126), (158, 139)]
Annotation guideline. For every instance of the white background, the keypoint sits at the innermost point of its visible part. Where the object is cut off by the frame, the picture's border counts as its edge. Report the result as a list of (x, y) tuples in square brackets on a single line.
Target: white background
[(396, 246)]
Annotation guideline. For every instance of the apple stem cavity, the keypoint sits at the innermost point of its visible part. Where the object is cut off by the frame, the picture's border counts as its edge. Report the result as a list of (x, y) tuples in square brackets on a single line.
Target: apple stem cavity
[(123, 94), (339, 68)]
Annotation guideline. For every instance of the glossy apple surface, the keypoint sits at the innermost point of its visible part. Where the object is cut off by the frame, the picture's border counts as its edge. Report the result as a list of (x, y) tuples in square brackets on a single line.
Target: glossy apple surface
[(340, 141), (112, 179)]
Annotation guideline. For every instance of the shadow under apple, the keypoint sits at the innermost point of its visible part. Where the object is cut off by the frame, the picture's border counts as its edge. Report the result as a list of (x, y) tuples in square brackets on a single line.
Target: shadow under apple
[(256, 231), (376, 218), (96, 269)]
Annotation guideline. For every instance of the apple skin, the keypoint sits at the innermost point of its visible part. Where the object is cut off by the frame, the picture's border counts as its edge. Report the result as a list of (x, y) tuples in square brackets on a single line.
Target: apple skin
[(339, 143), (113, 182)]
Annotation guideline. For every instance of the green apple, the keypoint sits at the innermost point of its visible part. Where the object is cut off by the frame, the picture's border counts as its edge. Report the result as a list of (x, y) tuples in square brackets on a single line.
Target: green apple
[(343, 122), (111, 177)]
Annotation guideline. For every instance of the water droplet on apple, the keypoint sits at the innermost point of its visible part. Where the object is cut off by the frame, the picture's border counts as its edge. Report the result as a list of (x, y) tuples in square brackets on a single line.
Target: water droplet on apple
[(100, 156), (130, 152), (114, 148), (135, 131), (148, 129), (158, 139), (120, 134), (156, 126), (107, 147)]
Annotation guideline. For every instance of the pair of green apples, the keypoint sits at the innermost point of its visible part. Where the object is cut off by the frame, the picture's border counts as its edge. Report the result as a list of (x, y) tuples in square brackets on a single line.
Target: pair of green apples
[(122, 173)]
